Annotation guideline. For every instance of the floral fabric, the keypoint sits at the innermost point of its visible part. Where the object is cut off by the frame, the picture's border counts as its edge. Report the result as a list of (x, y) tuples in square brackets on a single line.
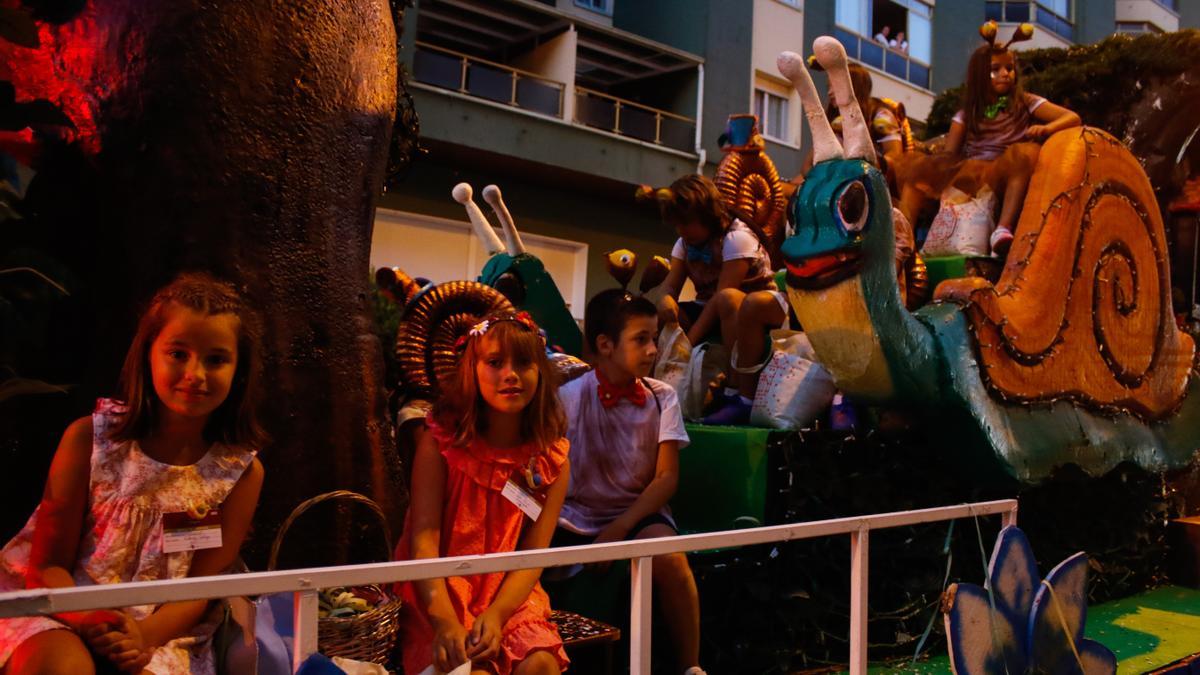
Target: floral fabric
[(122, 533)]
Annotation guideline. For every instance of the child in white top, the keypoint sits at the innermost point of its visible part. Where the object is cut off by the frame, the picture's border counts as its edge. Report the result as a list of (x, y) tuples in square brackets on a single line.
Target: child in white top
[(625, 432)]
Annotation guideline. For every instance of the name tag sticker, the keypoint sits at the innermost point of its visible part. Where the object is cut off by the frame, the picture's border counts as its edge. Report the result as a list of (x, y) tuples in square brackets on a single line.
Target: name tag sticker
[(524, 501), (181, 532)]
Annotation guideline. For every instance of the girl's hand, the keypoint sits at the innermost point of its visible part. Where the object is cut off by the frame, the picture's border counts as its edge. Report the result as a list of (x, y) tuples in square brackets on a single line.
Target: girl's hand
[(484, 642), (449, 645), (1038, 132), (121, 643)]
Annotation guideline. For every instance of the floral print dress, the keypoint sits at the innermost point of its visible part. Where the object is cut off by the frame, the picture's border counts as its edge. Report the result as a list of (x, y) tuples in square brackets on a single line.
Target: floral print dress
[(122, 536)]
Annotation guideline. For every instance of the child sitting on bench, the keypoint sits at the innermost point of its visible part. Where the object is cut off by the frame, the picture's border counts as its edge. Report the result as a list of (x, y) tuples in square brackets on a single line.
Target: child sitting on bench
[(625, 432)]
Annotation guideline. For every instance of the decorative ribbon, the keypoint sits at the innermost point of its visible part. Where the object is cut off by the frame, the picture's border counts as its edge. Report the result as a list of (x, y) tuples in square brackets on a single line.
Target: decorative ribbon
[(701, 253), (994, 109)]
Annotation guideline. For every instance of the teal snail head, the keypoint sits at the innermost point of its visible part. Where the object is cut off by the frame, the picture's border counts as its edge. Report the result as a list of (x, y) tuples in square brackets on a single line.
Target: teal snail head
[(835, 215), (843, 205)]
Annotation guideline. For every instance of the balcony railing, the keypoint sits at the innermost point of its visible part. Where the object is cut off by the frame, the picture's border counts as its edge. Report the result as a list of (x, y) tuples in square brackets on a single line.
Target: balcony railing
[(1021, 11), (1137, 27), (891, 61), (634, 120), (488, 80)]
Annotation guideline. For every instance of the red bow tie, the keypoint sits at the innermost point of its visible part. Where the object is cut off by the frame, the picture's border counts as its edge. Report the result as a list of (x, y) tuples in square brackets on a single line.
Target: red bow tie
[(611, 394)]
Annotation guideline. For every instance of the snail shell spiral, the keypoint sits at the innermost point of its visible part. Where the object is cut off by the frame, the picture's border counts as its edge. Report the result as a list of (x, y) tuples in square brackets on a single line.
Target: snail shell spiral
[(431, 325), (1083, 309), (751, 189)]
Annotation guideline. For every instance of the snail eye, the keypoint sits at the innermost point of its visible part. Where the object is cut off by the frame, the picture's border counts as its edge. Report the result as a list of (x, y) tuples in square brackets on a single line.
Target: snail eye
[(852, 207)]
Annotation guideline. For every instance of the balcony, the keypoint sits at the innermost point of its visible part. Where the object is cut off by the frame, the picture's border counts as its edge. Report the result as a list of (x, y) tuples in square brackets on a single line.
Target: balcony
[(1147, 16), (893, 62), (633, 120), (1023, 11), (523, 80), (473, 76)]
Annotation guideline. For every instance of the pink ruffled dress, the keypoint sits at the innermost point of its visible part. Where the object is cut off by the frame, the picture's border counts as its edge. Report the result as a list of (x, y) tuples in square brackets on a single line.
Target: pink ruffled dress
[(478, 519)]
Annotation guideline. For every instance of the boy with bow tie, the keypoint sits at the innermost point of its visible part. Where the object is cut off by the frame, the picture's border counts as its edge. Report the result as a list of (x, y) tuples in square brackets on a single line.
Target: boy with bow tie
[(625, 431)]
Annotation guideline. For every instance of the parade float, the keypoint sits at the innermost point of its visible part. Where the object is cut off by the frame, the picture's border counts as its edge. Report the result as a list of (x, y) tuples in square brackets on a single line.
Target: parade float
[(1066, 381)]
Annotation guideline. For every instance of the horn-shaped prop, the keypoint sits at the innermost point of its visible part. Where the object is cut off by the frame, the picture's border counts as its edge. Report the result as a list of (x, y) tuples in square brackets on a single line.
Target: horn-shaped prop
[(856, 137), (988, 32), (1021, 34), (825, 144), (462, 194), (491, 195)]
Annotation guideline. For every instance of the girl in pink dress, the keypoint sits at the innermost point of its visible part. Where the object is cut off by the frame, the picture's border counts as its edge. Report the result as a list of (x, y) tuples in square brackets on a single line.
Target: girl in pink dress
[(181, 448), (497, 427)]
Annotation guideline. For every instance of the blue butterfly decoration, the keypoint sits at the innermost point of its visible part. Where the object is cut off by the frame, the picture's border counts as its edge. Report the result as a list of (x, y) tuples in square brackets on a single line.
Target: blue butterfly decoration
[(1026, 625)]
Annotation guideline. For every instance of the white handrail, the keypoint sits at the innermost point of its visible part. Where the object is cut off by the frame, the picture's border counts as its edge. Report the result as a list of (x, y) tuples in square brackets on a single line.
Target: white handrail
[(305, 582)]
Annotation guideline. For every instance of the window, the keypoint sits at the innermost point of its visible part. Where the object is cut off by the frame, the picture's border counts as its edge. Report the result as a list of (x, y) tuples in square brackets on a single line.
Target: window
[(772, 111), (862, 23), (599, 6)]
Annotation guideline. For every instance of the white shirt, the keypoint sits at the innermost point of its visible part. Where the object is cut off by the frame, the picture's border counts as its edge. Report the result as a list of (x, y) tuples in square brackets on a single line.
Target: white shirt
[(614, 451), (738, 243)]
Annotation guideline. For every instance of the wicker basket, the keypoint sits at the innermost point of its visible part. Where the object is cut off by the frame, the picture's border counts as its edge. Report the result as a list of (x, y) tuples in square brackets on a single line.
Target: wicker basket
[(369, 636)]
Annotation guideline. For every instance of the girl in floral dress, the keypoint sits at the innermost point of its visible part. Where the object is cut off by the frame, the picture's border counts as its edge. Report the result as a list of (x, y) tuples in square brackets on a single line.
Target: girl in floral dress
[(497, 428), (126, 484)]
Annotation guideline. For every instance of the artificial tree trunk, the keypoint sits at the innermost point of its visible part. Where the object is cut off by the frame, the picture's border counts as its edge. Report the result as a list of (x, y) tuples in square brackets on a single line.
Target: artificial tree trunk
[(248, 138)]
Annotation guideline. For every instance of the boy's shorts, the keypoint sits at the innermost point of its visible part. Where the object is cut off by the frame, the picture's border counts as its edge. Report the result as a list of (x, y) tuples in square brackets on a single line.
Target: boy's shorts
[(565, 537)]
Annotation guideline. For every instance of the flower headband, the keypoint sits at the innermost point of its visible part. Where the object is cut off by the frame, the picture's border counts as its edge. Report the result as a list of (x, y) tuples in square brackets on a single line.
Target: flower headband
[(480, 329)]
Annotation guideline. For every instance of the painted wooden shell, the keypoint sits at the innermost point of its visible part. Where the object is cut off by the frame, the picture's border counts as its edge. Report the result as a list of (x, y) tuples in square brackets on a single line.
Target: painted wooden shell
[(1082, 310), (751, 189), (431, 325)]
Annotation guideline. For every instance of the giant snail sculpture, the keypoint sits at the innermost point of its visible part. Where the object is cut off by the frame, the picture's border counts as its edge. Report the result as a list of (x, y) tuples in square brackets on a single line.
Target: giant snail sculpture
[(1071, 357), (517, 273)]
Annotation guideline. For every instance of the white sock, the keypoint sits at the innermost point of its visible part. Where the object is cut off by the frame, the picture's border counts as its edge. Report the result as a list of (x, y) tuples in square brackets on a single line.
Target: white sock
[(730, 391)]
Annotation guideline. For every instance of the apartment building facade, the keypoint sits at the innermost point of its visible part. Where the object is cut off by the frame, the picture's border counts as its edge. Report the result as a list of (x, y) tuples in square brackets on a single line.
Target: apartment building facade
[(568, 105)]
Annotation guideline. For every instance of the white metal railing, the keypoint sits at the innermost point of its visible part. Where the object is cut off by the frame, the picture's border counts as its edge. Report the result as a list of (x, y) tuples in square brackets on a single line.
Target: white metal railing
[(304, 583)]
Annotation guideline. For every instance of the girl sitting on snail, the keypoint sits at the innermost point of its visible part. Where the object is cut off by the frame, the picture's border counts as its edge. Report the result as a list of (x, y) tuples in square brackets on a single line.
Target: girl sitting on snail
[(994, 138)]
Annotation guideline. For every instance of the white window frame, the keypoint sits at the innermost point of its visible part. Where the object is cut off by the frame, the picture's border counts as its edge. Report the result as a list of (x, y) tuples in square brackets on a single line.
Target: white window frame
[(476, 256), (763, 115)]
